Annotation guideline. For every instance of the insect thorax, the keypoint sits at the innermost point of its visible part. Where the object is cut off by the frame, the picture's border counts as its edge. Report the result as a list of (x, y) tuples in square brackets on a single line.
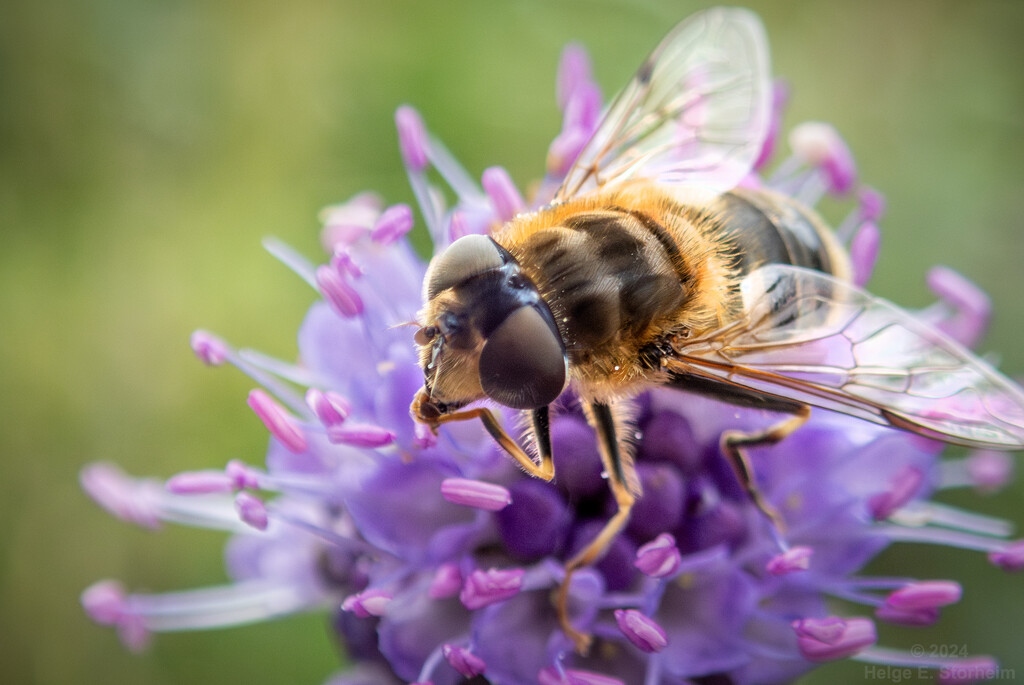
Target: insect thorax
[(620, 270)]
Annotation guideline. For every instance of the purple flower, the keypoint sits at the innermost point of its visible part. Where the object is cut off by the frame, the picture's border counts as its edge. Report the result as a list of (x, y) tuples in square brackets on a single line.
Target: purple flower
[(437, 558)]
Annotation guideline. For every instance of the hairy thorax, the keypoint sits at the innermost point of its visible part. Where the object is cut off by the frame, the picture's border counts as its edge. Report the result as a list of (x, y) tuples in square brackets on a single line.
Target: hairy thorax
[(622, 271)]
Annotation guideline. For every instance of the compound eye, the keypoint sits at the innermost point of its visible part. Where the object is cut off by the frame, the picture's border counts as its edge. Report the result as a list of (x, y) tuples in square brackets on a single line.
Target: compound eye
[(468, 256), (523, 364)]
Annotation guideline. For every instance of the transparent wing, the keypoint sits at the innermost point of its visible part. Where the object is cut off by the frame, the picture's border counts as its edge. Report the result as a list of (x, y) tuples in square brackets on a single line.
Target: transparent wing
[(696, 112), (809, 337)]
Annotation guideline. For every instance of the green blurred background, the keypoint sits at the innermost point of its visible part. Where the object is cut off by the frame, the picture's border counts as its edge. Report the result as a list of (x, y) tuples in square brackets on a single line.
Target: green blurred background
[(146, 147)]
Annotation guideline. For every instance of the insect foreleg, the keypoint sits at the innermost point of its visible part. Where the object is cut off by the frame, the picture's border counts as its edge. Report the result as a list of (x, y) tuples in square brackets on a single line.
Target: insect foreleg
[(544, 470), (621, 474), (733, 444)]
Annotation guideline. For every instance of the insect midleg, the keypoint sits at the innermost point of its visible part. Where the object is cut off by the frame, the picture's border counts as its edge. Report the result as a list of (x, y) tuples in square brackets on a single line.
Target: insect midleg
[(545, 470), (620, 472), (733, 442)]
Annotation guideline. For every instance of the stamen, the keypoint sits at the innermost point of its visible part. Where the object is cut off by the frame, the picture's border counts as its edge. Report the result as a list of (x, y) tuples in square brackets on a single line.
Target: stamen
[(659, 558), (990, 470), (107, 604), (793, 559), (342, 262), (831, 638), (573, 71), (412, 138), (339, 294), (242, 475), (104, 601), (583, 110), (394, 223), (251, 510), (136, 501), (483, 588), (864, 250), (821, 146), (280, 424), (925, 594), (457, 226), (902, 489), (463, 661), (641, 630), (329, 407), (475, 493), (780, 98), (1010, 557), (972, 308), (414, 146), (579, 98), (345, 223), (367, 603), (872, 204), (503, 193), (446, 583), (360, 435), (565, 148), (200, 483), (210, 349)]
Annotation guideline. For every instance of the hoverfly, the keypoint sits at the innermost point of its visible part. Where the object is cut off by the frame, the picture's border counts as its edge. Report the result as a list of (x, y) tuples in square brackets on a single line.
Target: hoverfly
[(653, 266)]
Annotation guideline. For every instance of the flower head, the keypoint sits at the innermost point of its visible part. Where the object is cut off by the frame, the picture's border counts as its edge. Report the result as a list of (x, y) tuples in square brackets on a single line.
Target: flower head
[(437, 558)]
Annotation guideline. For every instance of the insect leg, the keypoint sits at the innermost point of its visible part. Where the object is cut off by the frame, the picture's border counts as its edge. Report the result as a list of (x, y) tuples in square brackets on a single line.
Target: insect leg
[(733, 443), (621, 476), (544, 470)]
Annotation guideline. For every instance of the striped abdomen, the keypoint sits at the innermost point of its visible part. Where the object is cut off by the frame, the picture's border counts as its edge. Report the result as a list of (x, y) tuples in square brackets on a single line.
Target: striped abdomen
[(767, 228)]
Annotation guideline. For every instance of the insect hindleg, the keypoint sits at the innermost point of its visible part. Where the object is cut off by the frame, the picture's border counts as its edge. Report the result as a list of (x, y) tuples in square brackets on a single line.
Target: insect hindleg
[(621, 478), (733, 444)]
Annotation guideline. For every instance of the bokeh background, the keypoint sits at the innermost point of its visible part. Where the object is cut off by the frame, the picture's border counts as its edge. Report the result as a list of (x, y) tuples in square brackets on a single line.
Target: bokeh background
[(146, 146)]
